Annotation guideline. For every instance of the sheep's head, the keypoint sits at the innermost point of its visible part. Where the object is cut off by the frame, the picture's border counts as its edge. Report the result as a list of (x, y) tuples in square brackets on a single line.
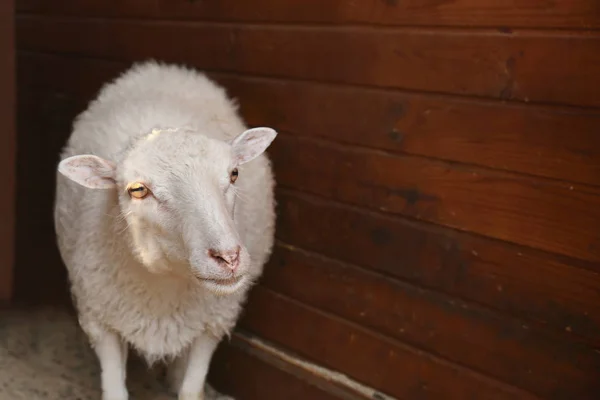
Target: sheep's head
[(177, 195)]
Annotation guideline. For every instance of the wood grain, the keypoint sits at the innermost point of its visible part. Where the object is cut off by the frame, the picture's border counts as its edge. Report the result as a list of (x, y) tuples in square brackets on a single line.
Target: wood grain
[(557, 217), (577, 14), (495, 65), (551, 142), (393, 368), (512, 351), (554, 290), (7, 150)]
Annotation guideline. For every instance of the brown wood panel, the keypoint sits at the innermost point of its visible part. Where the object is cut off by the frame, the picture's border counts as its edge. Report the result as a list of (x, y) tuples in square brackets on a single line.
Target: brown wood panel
[(533, 285), (553, 216), (497, 65), (512, 351), (239, 371), (550, 142), (7, 149), (578, 14), (366, 356)]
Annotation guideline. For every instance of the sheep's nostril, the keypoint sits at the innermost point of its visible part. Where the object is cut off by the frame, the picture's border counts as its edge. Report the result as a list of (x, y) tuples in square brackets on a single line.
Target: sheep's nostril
[(235, 256), (228, 259)]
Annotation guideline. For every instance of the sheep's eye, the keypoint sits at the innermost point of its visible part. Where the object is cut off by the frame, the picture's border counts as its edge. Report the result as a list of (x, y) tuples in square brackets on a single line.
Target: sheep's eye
[(234, 175), (138, 190)]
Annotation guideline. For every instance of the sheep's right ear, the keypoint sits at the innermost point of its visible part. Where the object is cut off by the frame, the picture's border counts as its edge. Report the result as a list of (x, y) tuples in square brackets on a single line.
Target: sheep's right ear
[(90, 171), (251, 143)]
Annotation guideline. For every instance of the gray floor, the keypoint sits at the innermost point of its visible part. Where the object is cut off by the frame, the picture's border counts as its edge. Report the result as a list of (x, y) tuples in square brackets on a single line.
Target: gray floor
[(44, 355)]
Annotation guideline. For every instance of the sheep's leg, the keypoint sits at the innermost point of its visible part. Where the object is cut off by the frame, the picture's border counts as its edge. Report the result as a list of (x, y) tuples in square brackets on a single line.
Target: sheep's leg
[(198, 360), (112, 354)]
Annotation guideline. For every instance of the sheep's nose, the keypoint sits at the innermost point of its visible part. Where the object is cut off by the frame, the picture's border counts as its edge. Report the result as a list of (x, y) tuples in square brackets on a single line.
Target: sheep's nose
[(229, 259)]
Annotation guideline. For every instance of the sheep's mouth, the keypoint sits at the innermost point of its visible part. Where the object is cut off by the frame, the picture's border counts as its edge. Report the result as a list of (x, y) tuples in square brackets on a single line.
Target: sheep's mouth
[(223, 286), (224, 282)]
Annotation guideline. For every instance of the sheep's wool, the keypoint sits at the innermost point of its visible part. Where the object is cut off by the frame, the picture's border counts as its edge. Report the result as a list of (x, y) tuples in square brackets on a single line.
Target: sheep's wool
[(158, 313)]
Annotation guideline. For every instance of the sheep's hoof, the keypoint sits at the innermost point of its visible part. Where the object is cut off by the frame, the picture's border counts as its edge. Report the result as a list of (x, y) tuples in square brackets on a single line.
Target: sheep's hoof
[(209, 395), (115, 396), (190, 396)]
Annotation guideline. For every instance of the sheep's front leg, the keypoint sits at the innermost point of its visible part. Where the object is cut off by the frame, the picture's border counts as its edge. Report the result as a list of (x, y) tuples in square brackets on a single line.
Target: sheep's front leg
[(198, 360), (112, 354)]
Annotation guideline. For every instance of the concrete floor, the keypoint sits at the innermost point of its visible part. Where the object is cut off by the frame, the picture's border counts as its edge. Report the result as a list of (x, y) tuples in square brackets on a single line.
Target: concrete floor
[(45, 355)]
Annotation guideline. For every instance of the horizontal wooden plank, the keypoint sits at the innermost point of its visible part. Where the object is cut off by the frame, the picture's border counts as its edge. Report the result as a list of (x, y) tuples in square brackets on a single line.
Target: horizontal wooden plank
[(499, 275), (504, 348), (578, 14), (367, 357), (548, 215), (545, 141), (536, 13), (495, 65), (238, 371)]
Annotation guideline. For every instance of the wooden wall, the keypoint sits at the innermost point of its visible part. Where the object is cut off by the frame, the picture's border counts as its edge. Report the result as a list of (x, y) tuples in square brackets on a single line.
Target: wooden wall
[(7, 149), (438, 169)]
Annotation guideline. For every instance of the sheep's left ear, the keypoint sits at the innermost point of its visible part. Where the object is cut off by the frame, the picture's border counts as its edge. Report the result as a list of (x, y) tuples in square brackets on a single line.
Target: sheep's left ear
[(90, 171), (251, 143)]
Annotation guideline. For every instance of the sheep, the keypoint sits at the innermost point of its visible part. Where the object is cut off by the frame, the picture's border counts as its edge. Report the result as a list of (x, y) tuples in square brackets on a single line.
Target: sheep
[(164, 215)]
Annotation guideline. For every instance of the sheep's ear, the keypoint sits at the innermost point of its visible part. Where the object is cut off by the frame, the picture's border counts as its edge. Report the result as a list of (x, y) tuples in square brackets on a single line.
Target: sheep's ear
[(90, 171), (251, 143)]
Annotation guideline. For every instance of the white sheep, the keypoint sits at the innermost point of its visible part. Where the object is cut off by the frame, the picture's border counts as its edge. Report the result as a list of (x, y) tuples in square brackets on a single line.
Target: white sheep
[(162, 258)]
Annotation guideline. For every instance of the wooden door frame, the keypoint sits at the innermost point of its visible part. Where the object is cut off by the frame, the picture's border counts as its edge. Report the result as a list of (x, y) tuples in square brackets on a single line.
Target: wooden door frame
[(7, 149)]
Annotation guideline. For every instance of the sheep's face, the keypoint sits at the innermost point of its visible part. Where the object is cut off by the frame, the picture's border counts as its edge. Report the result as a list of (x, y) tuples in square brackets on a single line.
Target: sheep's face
[(177, 193)]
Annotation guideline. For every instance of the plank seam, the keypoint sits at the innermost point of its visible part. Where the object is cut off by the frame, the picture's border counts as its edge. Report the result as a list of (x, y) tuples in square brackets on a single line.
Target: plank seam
[(503, 29)]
